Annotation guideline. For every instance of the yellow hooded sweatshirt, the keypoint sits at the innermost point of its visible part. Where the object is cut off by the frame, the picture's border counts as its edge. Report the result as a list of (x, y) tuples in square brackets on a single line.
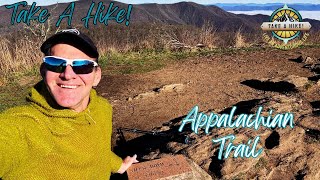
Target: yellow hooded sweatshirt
[(38, 141)]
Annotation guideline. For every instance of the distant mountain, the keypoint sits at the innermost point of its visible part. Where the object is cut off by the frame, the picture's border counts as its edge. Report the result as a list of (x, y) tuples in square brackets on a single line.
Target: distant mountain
[(267, 7), (195, 14), (184, 13)]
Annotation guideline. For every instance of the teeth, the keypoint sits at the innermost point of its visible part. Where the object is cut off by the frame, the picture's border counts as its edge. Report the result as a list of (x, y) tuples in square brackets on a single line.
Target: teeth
[(68, 86)]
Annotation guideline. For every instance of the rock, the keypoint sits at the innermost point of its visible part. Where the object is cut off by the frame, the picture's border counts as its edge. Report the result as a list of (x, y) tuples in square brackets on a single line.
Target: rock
[(198, 172), (305, 59), (310, 122), (309, 60), (175, 147), (200, 46), (172, 88), (288, 103), (297, 80), (164, 89), (145, 95), (167, 168), (164, 128), (152, 155), (234, 167), (288, 153), (315, 68)]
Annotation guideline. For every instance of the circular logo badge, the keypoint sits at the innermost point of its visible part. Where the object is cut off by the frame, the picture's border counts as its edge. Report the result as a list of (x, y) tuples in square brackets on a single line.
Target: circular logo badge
[(285, 24), (287, 15)]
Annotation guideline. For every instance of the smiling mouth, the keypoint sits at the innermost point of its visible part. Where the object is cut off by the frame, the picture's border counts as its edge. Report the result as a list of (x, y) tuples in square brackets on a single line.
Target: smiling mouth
[(67, 86)]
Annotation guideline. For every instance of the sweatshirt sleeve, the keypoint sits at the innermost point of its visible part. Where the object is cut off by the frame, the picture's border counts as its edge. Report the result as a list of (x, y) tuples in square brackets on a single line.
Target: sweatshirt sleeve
[(6, 157), (116, 162), (10, 147)]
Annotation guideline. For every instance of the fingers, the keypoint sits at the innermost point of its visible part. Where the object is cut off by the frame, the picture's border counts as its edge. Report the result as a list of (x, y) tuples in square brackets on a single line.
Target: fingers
[(130, 160), (134, 157), (127, 162)]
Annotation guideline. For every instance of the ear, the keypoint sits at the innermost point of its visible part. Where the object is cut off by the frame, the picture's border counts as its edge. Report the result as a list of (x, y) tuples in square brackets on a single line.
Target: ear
[(97, 76), (43, 71)]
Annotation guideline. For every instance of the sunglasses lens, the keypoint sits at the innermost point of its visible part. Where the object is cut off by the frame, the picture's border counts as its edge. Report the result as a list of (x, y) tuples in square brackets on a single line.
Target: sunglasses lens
[(55, 64), (82, 67), (59, 65)]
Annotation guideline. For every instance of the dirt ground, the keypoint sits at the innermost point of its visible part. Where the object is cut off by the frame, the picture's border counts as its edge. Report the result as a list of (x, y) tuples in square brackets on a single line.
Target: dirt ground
[(216, 83), (212, 83)]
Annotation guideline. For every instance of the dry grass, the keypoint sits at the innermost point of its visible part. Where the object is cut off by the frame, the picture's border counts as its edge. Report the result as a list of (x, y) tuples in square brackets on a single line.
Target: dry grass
[(156, 37), (240, 40), (5, 55), (208, 35), (19, 51), (18, 55)]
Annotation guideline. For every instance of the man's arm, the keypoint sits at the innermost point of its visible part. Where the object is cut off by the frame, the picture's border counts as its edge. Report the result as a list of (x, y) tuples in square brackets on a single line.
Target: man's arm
[(120, 166), (6, 158), (10, 147), (116, 162)]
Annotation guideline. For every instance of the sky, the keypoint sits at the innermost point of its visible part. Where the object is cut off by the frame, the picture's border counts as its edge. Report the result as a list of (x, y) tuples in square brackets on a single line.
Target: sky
[(47, 2)]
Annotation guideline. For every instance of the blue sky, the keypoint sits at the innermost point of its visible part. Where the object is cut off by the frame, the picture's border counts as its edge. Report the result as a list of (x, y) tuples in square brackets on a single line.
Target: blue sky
[(47, 2)]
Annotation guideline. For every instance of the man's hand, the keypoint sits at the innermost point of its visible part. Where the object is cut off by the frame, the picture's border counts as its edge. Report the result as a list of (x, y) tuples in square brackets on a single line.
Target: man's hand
[(127, 162)]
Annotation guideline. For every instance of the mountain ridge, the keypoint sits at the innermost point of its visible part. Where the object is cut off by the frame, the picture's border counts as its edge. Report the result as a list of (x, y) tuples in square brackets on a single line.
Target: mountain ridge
[(268, 6), (181, 13)]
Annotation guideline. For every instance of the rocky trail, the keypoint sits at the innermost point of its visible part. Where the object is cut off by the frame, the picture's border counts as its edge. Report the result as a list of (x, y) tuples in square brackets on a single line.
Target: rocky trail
[(158, 101)]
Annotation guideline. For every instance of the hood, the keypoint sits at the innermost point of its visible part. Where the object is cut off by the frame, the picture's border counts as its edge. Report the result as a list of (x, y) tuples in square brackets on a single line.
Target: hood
[(60, 119)]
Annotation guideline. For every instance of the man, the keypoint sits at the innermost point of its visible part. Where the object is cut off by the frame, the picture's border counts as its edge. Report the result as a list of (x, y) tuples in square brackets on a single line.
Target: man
[(65, 130)]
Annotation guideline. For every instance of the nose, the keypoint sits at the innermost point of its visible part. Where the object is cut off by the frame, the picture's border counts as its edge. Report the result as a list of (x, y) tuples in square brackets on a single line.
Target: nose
[(68, 73)]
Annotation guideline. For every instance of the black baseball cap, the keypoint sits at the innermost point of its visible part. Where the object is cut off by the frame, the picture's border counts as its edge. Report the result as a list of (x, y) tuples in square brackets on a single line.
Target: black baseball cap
[(74, 38)]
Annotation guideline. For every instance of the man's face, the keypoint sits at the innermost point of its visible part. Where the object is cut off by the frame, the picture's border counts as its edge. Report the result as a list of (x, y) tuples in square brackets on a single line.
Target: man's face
[(71, 90)]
